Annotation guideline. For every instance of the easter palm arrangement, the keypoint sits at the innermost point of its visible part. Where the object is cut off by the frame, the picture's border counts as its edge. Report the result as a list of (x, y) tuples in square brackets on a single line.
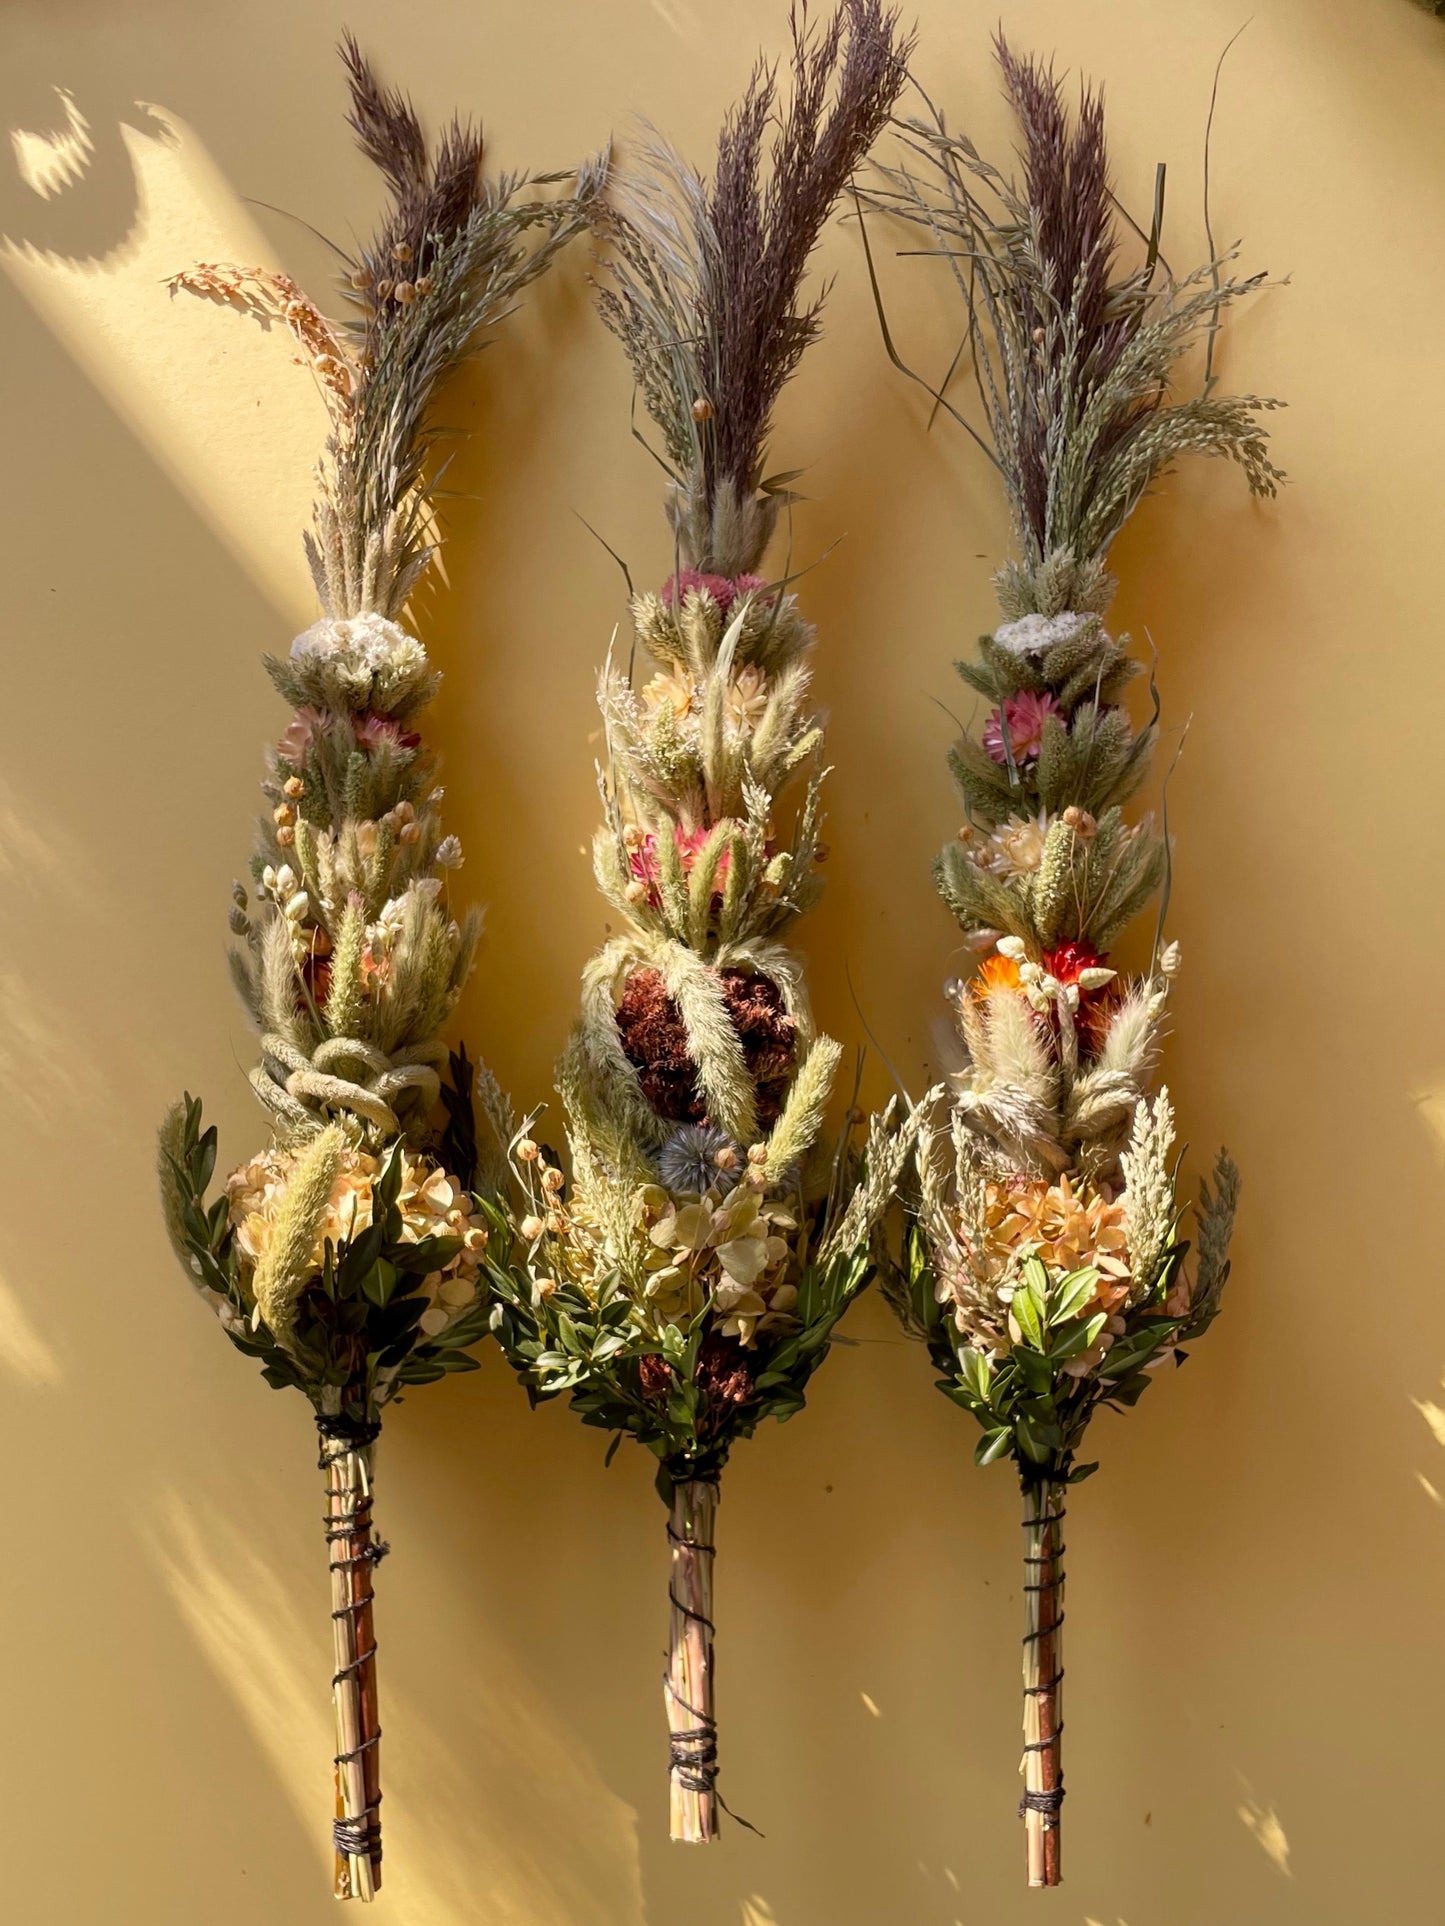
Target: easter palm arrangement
[(1047, 1270), (683, 1284), (345, 1258)]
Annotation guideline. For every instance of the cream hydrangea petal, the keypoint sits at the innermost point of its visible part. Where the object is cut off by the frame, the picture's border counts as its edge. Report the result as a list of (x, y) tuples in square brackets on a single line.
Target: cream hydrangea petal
[(692, 1228), (744, 1258)]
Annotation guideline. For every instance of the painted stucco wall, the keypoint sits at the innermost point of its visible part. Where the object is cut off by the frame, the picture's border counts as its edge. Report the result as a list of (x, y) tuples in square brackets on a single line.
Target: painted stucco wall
[(1255, 1611)]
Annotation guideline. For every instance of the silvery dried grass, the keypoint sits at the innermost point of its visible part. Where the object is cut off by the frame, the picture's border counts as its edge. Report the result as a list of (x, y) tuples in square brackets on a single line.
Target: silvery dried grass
[(703, 284), (1072, 353)]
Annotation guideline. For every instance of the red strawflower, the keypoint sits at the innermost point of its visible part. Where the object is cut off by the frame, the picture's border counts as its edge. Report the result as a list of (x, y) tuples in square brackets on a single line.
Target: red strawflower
[(1068, 962), (1096, 1007)]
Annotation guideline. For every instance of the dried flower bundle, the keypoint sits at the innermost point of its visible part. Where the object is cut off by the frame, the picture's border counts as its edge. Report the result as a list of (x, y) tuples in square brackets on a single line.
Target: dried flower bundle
[(1046, 1269), (347, 1257), (685, 1283)]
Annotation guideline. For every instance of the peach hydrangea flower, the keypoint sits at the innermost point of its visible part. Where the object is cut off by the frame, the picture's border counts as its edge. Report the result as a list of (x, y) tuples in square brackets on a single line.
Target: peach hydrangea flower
[(432, 1204)]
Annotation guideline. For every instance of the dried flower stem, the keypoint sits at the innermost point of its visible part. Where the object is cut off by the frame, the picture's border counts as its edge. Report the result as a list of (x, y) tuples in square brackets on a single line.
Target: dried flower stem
[(1043, 1767), (358, 1728), (692, 1796)]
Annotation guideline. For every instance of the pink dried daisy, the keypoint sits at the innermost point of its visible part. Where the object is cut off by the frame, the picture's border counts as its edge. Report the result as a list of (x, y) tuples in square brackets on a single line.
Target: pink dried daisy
[(372, 730), (301, 732), (1024, 716)]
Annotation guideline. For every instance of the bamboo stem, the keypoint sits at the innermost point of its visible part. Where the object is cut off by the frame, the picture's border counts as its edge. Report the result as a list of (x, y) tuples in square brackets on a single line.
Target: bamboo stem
[(353, 1553), (692, 1772), (1043, 1767)]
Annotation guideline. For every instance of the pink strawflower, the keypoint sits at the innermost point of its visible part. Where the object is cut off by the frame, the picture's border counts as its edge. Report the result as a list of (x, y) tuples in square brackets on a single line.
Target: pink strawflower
[(301, 732), (724, 589), (372, 730), (689, 848), (1025, 715), (646, 870)]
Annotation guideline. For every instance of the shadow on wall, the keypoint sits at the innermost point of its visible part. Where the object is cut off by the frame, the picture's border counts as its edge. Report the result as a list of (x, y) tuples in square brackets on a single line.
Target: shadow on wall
[(75, 191), (93, 231), (458, 1837)]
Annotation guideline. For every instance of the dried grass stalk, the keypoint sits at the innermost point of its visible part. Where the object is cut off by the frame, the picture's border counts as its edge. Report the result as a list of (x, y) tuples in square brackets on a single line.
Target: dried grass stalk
[(703, 287)]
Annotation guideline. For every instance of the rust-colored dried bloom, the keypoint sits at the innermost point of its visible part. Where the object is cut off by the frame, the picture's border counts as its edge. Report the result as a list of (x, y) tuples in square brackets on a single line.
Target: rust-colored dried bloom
[(767, 1033), (654, 1038), (656, 1377), (725, 1379)]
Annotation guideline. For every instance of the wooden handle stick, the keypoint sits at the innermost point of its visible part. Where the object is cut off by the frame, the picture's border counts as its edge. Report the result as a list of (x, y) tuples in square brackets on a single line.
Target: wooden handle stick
[(692, 1773), (353, 1555), (1043, 1767)]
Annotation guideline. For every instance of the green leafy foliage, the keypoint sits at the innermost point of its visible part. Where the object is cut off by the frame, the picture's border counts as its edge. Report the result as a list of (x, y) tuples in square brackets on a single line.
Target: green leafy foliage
[(681, 1391), (1027, 1406), (358, 1332)]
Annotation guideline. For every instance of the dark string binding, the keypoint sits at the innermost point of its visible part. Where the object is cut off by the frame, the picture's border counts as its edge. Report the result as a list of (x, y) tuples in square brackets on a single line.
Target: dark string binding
[(348, 1518), (692, 1752), (1049, 1802), (1046, 1802), (358, 1838), (339, 1428)]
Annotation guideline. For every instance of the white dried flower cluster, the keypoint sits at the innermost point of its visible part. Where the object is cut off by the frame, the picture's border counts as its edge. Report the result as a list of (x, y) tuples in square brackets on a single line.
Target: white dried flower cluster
[(370, 641), (358, 662), (727, 1248), (1037, 634)]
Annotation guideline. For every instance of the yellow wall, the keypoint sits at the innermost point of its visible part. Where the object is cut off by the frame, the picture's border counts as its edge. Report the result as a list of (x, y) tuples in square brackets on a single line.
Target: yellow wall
[(1254, 1631)]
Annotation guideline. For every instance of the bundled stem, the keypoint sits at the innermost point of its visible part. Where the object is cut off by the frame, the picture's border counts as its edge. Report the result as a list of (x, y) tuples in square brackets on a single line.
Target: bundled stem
[(1047, 1274), (1043, 1766), (682, 1284), (354, 1552), (692, 1771), (347, 1256)]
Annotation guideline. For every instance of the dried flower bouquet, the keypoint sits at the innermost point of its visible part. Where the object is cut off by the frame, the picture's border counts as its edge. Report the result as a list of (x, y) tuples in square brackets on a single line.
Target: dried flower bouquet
[(1046, 1270), (346, 1257), (685, 1284)]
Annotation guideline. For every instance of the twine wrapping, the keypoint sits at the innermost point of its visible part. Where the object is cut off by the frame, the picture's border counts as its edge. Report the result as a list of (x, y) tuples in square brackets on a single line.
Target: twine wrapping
[(353, 1554), (1041, 1805), (687, 1684), (692, 1749)]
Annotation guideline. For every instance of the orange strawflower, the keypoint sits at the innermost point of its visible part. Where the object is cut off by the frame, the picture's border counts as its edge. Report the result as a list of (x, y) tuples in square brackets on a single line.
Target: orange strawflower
[(995, 973)]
